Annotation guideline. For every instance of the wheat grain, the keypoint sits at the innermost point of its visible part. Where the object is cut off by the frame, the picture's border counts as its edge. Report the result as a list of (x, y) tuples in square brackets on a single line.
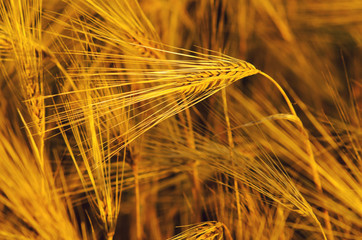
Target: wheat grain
[(222, 75)]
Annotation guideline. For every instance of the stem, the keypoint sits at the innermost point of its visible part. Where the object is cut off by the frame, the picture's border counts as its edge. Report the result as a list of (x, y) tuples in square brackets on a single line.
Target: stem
[(231, 147), (290, 105), (317, 180), (227, 232), (312, 160), (196, 188), (196, 191), (137, 196)]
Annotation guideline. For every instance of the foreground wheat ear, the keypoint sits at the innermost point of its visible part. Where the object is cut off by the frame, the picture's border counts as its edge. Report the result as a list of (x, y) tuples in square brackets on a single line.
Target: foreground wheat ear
[(144, 96)]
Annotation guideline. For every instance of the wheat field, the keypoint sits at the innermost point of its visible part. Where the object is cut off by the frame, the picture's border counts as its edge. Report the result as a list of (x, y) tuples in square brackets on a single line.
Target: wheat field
[(180, 119)]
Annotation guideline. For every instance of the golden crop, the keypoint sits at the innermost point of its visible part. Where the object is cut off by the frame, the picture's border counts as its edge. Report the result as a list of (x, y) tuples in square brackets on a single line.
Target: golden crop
[(180, 119)]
